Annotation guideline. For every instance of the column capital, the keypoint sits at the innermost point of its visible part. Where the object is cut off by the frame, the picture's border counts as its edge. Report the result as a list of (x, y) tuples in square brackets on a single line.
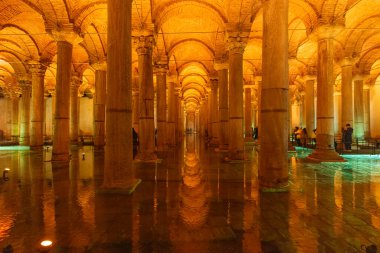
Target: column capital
[(236, 44), (24, 83), (144, 44), (221, 62), (75, 82), (346, 62), (37, 68), (213, 83), (69, 34), (101, 65), (327, 31), (161, 69)]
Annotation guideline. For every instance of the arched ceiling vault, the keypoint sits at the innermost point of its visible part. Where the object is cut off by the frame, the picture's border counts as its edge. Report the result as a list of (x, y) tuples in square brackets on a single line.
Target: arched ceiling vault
[(190, 34)]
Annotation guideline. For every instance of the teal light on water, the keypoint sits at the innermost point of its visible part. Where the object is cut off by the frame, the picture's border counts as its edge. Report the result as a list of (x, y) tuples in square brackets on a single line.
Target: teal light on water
[(14, 148)]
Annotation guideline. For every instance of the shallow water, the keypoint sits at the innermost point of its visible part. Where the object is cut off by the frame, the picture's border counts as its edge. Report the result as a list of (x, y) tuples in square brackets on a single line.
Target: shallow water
[(190, 201)]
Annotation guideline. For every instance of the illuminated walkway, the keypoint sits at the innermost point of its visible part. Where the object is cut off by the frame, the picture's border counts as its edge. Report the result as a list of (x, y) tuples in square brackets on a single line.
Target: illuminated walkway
[(188, 205)]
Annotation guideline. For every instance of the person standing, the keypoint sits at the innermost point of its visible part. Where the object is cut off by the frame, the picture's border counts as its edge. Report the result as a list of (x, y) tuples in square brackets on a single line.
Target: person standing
[(347, 137)]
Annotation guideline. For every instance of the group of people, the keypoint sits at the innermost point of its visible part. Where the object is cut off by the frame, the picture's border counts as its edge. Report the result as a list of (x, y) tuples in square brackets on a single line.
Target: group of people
[(301, 136)]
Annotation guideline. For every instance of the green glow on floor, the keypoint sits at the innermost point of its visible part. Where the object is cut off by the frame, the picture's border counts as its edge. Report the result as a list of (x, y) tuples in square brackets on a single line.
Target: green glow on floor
[(20, 148)]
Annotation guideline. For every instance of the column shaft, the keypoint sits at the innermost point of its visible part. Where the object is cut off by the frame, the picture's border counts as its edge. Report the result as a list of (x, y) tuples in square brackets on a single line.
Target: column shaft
[(135, 110), (236, 138), (25, 114), (146, 104), (274, 96), (214, 113), (15, 117), (118, 172), (366, 112), (347, 114), (309, 106), (161, 110), (74, 111), (171, 115), (223, 108), (359, 110), (248, 115), (99, 108), (37, 109), (61, 138), (325, 150)]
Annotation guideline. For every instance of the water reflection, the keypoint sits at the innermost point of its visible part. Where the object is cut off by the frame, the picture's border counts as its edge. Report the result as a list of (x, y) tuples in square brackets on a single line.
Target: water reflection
[(194, 205), (191, 202)]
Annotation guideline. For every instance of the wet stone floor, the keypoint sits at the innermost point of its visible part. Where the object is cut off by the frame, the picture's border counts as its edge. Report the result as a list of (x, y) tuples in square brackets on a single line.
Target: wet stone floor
[(190, 201)]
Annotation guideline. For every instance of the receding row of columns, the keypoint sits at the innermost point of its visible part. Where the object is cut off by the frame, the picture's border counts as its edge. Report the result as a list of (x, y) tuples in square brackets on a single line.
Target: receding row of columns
[(225, 126)]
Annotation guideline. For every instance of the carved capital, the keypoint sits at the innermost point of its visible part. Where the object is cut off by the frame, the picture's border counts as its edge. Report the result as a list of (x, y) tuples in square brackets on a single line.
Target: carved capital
[(144, 44), (346, 62), (236, 45), (161, 69), (37, 68), (323, 32), (65, 32), (76, 82), (102, 65), (213, 83)]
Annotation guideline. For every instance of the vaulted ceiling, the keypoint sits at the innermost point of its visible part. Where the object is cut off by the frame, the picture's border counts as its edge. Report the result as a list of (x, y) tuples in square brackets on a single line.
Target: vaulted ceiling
[(189, 34)]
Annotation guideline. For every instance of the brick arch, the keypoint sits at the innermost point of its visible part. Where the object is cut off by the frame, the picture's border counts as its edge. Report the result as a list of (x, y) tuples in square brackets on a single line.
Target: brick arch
[(163, 13)]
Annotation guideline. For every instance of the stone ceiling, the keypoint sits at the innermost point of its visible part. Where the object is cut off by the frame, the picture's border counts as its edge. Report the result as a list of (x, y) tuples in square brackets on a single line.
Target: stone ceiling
[(190, 35)]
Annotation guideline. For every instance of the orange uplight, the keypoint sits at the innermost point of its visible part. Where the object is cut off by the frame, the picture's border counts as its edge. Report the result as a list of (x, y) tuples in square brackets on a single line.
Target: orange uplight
[(46, 243)]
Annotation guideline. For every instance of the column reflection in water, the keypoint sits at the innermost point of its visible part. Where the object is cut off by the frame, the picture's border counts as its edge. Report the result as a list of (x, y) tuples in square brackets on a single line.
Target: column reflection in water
[(193, 206), (190, 233)]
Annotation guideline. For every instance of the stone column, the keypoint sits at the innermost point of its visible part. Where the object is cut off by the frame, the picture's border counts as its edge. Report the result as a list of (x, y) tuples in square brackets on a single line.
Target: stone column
[(214, 119), (248, 114), (259, 92), (118, 170), (144, 46), (61, 138), (76, 81), (236, 137), (25, 112), (209, 117), (338, 112), (161, 108), (366, 111), (325, 150), (100, 105), (190, 120), (171, 115), (273, 173), (37, 108), (359, 110), (15, 116), (135, 109), (179, 117), (222, 69), (309, 105), (347, 114)]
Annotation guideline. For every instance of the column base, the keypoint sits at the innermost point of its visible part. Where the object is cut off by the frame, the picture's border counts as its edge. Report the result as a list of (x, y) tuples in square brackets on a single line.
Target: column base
[(64, 157), (99, 148), (235, 156), (146, 156), (325, 155), (222, 149), (162, 148), (128, 189), (278, 185), (37, 148)]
